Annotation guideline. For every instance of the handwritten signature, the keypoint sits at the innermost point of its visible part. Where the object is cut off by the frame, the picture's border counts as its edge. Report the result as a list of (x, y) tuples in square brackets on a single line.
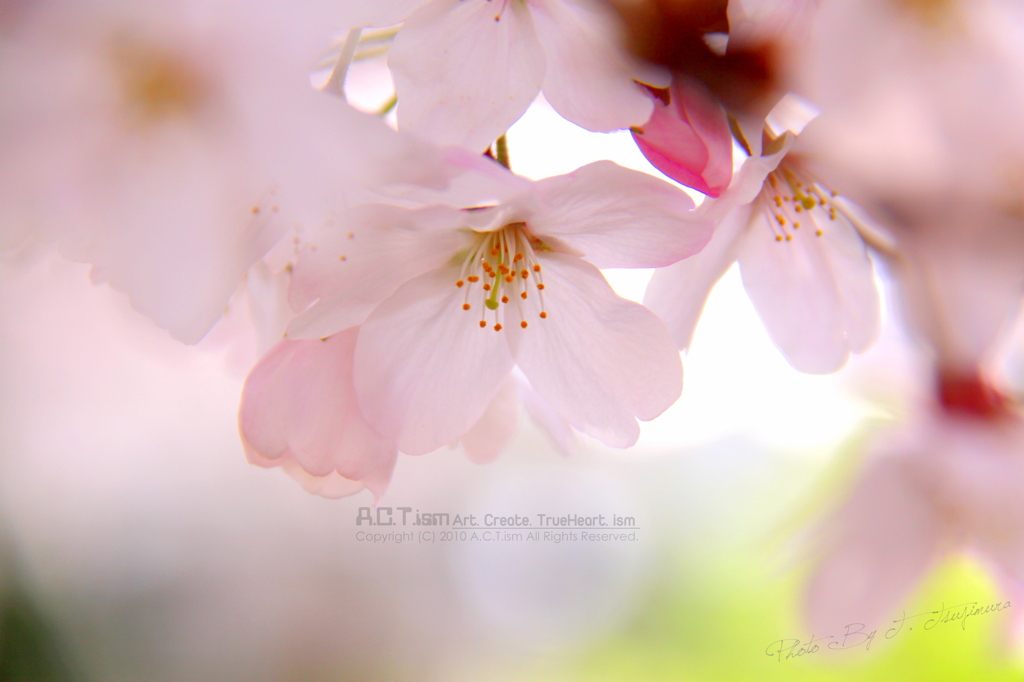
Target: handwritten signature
[(856, 635)]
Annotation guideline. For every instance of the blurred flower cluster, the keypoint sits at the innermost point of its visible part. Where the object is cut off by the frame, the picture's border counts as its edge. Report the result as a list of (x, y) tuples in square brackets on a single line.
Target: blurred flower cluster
[(201, 155)]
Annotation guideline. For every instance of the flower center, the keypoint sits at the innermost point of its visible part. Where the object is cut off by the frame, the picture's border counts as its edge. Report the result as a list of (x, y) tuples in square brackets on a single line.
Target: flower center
[(157, 83), (793, 200), (500, 273), (969, 394)]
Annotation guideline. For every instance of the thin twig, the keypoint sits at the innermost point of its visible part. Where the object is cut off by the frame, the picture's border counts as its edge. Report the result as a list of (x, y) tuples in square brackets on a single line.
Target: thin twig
[(501, 151)]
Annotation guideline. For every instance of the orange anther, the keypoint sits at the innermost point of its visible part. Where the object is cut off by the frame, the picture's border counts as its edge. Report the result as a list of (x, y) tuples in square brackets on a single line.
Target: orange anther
[(509, 278), (522, 295), (483, 323), (504, 299), (473, 278), (540, 286), (465, 306), (543, 315), (460, 283), (536, 268), (497, 327), (524, 274), (487, 287), (523, 324)]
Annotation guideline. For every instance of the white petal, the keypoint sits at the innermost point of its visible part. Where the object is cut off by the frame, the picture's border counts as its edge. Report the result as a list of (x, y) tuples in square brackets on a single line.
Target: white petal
[(851, 267), (599, 360), (376, 12), (473, 180), (589, 78), (879, 545), (495, 429), (170, 226), (353, 264), (465, 70), (753, 23), (815, 295), (619, 218), (425, 370), (677, 293), (548, 419)]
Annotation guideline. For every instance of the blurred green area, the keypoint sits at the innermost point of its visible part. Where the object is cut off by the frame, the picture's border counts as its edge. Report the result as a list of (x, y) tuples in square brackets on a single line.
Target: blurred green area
[(720, 594), (30, 648), (718, 628), (717, 605)]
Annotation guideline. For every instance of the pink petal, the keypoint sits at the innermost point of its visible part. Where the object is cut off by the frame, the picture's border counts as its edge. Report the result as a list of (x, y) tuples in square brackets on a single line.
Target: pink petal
[(495, 429), (619, 218), (299, 406), (425, 371), (466, 70), (980, 472), (354, 263), (878, 546), (599, 360), (689, 139), (590, 77)]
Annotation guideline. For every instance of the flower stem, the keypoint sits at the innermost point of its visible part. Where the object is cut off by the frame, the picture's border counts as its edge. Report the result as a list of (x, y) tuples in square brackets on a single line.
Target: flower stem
[(501, 151), (386, 108)]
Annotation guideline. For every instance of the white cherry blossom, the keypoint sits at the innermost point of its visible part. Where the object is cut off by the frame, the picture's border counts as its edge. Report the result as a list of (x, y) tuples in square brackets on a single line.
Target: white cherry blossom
[(803, 262), (451, 299)]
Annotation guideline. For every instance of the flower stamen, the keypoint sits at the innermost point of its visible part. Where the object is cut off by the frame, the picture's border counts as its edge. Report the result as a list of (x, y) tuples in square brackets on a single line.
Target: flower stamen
[(505, 259), (808, 200)]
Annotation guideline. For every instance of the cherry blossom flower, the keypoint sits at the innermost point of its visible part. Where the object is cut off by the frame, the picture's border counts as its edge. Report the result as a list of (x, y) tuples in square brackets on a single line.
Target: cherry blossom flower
[(803, 262), (451, 299), (687, 137), (916, 134), (170, 144), (921, 116), (466, 70), (948, 481)]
